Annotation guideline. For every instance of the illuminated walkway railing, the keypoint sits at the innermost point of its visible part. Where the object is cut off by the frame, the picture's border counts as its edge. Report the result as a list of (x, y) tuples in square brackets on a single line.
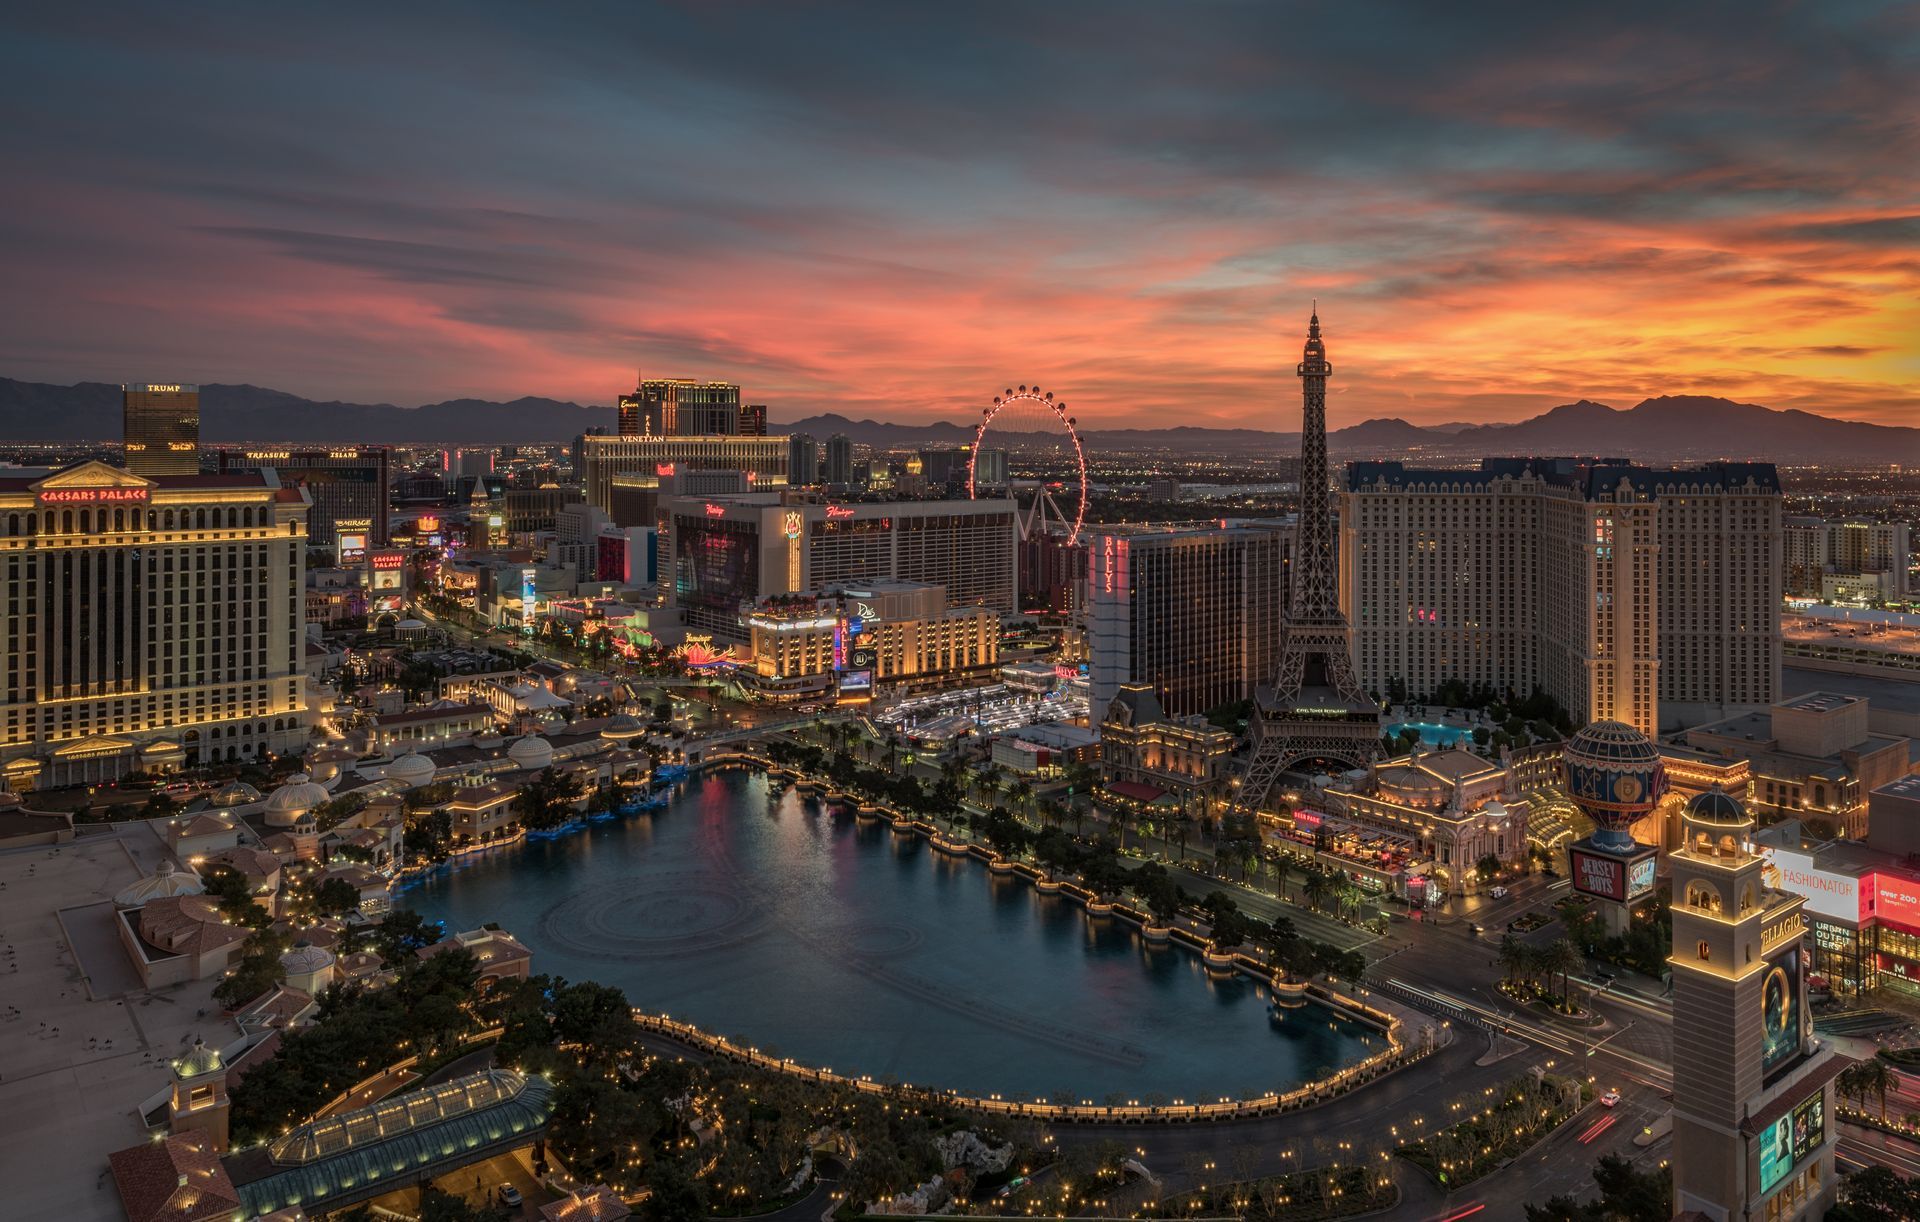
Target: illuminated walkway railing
[(1357, 1074)]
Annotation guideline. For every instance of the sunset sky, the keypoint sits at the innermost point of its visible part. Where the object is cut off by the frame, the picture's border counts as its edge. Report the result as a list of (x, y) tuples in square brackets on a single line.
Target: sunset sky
[(893, 210)]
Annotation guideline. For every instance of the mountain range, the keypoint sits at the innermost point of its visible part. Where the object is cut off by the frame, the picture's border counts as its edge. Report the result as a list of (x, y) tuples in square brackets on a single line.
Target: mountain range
[(1671, 427)]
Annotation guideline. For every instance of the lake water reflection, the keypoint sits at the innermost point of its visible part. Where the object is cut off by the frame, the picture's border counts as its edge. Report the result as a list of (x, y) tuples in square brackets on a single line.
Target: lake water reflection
[(847, 945)]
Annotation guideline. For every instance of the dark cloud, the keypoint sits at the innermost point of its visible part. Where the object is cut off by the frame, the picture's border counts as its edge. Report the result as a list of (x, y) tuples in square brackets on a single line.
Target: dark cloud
[(893, 203), (1896, 231)]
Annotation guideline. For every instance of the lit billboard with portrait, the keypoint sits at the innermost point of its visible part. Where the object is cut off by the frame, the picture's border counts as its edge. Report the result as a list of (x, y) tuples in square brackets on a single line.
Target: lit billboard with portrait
[(1786, 1142), (1782, 1002)]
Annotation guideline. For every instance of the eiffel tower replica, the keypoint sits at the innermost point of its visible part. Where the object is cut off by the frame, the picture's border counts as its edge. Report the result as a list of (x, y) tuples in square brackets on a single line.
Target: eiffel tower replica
[(1315, 711)]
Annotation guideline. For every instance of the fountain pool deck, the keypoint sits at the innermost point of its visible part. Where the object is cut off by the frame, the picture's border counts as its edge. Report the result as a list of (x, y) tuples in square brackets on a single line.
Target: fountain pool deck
[(846, 945)]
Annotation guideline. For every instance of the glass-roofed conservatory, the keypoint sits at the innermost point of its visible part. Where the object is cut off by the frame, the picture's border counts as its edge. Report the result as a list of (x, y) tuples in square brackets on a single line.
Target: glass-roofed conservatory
[(342, 1160)]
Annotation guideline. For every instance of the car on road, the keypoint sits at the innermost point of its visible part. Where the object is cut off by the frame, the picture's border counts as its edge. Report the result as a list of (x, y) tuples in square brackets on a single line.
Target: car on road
[(1498, 893), (1610, 1099), (509, 1196)]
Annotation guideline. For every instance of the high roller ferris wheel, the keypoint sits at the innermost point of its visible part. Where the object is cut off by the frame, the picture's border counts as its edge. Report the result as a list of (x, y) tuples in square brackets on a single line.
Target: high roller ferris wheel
[(1049, 488)]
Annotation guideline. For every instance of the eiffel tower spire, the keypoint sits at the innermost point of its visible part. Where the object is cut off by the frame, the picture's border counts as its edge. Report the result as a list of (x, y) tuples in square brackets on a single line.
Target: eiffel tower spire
[(1315, 711), (1314, 601)]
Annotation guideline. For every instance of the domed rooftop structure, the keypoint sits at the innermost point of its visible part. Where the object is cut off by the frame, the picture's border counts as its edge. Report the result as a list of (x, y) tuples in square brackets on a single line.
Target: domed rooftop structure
[(164, 882), (306, 959), (298, 796), (1614, 775), (234, 793), (199, 1061), (531, 752), (412, 770), (1612, 741), (621, 727), (1717, 807)]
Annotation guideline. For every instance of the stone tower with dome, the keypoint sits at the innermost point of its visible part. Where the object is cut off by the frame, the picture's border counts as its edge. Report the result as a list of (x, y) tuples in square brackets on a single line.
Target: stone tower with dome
[(1753, 1093)]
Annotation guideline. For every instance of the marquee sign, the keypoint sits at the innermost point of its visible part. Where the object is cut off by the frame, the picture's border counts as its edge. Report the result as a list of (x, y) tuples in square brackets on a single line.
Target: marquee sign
[(1599, 874), (94, 496)]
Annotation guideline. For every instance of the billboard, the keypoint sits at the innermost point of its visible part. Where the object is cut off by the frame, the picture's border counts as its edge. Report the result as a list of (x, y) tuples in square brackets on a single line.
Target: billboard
[(1640, 877), (1782, 1010), (353, 544), (1835, 896), (1599, 874), (1788, 1140), (856, 685), (1896, 899)]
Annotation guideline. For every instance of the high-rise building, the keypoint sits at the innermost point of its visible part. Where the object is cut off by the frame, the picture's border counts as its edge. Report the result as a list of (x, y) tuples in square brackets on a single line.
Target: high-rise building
[(152, 621), (803, 460), (1616, 589), (856, 638), (525, 510), (160, 427), (1193, 614), (945, 468), (684, 407), (1315, 714), (348, 484), (730, 552), (1818, 548), (839, 468), (753, 420), (1754, 1129), (604, 458)]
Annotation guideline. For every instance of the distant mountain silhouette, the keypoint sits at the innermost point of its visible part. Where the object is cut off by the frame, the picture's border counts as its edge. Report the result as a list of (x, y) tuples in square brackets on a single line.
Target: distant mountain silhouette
[(1671, 427), (1693, 426), (90, 411)]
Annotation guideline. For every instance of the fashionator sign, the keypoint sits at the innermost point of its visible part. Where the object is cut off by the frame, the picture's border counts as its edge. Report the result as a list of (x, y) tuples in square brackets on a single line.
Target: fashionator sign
[(1834, 896)]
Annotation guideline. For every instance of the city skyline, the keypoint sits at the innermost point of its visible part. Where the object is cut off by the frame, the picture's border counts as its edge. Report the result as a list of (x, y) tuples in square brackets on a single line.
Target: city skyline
[(1589, 207)]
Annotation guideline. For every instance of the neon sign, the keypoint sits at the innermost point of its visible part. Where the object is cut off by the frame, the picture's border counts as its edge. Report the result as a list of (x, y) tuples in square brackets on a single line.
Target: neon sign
[(386, 560), (716, 511), (664, 468), (92, 496), (836, 511), (792, 524)]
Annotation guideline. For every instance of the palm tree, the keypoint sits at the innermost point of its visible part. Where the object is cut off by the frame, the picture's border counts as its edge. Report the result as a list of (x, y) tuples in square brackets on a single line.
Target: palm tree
[(1282, 866), (1852, 1083), (1316, 887), (1877, 1078), (1022, 795), (1347, 901), (1564, 958), (1177, 833)]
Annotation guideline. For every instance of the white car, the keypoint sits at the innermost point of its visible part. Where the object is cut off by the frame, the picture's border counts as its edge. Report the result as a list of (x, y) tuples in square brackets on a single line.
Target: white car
[(1498, 893), (1610, 1099)]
